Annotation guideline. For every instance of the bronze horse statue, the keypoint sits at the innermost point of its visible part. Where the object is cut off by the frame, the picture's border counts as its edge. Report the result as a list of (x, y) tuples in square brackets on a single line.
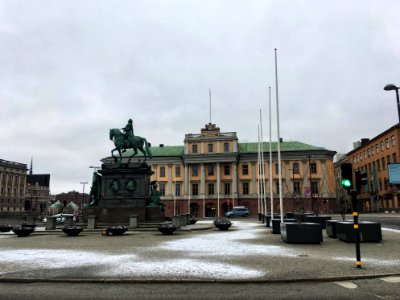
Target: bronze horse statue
[(132, 142)]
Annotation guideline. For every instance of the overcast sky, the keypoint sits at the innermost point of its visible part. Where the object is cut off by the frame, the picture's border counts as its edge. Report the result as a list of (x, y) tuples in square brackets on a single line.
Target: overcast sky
[(71, 70)]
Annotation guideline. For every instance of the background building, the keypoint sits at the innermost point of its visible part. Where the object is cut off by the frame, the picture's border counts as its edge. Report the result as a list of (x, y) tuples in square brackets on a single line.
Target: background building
[(37, 196), (12, 187), (213, 171), (373, 156)]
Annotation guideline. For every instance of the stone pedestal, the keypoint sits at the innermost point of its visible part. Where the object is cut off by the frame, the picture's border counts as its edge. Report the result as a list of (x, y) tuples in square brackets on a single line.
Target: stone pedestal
[(50, 223), (133, 221), (125, 191), (91, 222), (176, 220)]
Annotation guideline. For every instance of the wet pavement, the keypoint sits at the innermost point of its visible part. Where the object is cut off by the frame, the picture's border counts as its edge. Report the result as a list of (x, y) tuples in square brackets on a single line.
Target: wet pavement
[(247, 252)]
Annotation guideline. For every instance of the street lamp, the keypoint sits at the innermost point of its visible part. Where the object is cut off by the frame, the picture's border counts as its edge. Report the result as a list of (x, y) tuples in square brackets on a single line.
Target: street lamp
[(83, 194), (392, 87)]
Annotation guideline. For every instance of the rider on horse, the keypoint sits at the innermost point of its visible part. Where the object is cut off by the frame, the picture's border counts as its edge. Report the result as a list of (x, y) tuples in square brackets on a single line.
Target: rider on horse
[(128, 132)]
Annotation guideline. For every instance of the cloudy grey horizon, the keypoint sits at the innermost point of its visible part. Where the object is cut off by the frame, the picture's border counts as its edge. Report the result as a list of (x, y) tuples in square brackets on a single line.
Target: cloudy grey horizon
[(71, 70)]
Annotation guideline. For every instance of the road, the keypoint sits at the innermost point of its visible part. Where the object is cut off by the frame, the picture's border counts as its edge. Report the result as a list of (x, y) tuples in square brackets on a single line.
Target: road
[(382, 288)]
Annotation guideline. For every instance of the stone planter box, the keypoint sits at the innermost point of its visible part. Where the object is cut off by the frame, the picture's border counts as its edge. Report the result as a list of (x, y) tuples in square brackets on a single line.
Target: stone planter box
[(369, 231), (23, 231), (222, 224), (29, 225), (289, 215), (72, 230), (331, 228), (5, 228), (318, 219), (276, 224), (115, 230), (301, 233), (167, 228), (268, 219)]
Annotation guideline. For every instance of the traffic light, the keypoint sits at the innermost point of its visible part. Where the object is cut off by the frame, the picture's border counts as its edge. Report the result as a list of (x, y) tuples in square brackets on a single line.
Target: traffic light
[(347, 175), (361, 179)]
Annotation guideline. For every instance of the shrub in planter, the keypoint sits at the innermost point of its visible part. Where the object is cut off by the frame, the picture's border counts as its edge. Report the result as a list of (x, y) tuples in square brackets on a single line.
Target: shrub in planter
[(222, 224), (166, 228), (72, 230), (193, 221)]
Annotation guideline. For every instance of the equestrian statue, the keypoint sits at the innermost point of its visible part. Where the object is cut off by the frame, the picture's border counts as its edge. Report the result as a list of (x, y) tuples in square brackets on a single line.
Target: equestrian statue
[(125, 139)]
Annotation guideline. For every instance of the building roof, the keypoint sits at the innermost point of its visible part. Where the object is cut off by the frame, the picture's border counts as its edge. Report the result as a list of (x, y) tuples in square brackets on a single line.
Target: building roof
[(286, 146)]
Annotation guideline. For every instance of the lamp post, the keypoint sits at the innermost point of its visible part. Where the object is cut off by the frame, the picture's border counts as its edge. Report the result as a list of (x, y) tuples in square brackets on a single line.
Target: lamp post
[(392, 87), (83, 194)]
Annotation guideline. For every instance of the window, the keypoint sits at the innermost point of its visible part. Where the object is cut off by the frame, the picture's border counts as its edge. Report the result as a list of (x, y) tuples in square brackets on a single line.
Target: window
[(314, 168), (195, 171), (177, 189), (394, 157), (387, 143), (369, 152), (245, 188), (296, 168), (227, 169), (296, 187), (211, 189), (372, 150), (383, 163), (388, 159), (194, 148), (377, 148), (393, 141), (162, 189), (227, 188), (378, 163), (277, 186), (210, 170), (245, 169), (195, 189), (226, 147), (177, 171), (276, 168), (162, 171), (382, 146), (314, 187), (210, 148)]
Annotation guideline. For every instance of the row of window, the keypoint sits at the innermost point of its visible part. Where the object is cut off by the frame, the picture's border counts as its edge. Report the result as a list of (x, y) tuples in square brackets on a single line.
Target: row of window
[(210, 148), (378, 147), (227, 169), (211, 188)]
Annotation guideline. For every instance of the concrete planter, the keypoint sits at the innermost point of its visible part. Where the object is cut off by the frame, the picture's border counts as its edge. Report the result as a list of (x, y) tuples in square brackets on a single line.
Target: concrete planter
[(318, 219), (369, 231), (276, 224), (222, 224), (116, 230), (167, 228), (5, 228), (301, 233), (72, 230), (23, 231)]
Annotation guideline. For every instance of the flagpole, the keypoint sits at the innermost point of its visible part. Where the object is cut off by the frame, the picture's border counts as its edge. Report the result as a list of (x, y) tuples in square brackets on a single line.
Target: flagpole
[(279, 137), (270, 157), (189, 191), (259, 172), (263, 168)]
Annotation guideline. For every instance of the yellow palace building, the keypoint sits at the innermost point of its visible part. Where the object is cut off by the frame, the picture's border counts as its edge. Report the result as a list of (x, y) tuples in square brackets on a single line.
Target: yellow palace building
[(213, 171)]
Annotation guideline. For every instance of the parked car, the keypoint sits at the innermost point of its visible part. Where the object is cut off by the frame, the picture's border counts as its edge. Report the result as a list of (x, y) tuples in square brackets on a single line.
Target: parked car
[(237, 211), (60, 218)]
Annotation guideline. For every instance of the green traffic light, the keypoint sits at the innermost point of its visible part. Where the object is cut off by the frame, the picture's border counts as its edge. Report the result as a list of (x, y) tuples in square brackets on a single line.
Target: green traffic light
[(346, 183)]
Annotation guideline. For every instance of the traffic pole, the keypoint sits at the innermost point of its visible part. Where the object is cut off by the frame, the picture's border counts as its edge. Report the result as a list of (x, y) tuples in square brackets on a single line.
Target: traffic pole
[(356, 228)]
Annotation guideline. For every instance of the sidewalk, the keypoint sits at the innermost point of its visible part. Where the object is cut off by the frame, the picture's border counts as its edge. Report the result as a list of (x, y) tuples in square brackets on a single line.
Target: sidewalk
[(247, 252)]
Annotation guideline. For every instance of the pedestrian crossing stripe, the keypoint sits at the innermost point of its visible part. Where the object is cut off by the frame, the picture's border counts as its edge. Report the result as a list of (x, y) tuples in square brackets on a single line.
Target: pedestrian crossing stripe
[(392, 279), (347, 284)]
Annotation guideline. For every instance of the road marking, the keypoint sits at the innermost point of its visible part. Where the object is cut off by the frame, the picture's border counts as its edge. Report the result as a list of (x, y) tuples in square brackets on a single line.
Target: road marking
[(392, 279), (347, 284)]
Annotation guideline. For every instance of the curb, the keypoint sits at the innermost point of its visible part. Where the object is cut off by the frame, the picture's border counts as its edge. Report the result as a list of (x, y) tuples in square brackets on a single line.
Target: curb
[(184, 280)]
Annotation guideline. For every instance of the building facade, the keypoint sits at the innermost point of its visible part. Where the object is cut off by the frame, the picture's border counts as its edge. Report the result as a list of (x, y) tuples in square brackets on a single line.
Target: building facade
[(37, 195), (12, 187), (213, 171), (373, 156)]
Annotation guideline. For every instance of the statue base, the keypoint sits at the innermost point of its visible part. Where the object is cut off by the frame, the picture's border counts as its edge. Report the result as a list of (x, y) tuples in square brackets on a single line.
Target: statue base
[(125, 191)]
